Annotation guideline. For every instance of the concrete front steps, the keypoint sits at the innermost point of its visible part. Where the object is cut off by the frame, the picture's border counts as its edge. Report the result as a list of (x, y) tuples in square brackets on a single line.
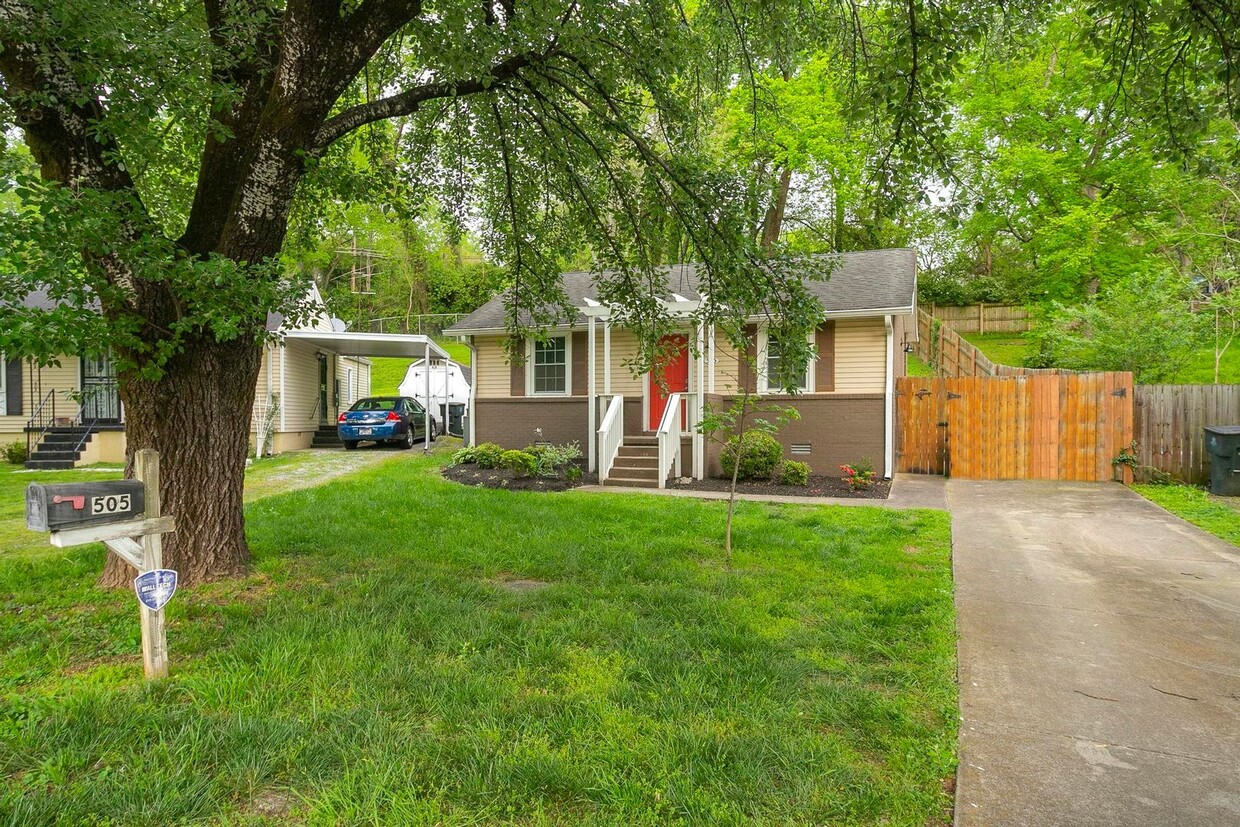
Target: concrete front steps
[(636, 464), (326, 437), (56, 451)]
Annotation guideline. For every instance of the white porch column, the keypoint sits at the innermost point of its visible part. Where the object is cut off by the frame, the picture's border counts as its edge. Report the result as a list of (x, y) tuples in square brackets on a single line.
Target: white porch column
[(710, 344), (699, 442), (889, 405), (447, 374), (607, 358), (592, 415)]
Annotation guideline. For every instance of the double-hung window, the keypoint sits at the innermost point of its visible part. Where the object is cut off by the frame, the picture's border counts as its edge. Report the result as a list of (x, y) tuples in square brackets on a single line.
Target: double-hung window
[(549, 360), (776, 370)]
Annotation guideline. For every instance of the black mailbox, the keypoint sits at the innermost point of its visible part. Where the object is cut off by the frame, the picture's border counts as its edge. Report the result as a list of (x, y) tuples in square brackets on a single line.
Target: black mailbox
[(1223, 446), (77, 504)]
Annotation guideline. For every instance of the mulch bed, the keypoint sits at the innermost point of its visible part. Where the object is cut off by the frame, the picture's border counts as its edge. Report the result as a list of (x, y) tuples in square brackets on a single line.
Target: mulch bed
[(471, 474), (817, 487)]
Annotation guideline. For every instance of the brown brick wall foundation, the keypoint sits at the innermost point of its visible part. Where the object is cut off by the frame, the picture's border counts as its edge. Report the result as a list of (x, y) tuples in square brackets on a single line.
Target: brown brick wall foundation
[(839, 428)]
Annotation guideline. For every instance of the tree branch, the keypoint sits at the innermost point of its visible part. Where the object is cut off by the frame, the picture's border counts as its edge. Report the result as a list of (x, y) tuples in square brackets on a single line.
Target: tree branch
[(408, 102)]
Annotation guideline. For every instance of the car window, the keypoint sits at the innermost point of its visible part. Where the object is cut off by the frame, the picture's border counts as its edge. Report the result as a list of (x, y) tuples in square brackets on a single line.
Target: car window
[(374, 405), (415, 408)]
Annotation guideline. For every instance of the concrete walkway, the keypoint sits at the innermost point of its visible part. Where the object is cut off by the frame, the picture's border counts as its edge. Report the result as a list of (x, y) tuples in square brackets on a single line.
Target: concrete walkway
[(1099, 659), (907, 491)]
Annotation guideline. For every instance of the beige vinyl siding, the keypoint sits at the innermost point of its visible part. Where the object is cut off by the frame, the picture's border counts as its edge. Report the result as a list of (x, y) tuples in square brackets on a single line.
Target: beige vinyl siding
[(726, 365), (860, 355), (623, 349), (301, 386), (63, 378), (492, 374), (354, 375)]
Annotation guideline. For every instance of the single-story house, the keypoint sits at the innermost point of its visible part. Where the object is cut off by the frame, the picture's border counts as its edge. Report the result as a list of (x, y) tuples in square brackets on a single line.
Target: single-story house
[(71, 413), (574, 386)]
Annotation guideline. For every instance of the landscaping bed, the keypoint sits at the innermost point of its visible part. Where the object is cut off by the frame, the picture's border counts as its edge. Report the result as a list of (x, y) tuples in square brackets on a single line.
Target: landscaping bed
[(816, 487), (472, 474)]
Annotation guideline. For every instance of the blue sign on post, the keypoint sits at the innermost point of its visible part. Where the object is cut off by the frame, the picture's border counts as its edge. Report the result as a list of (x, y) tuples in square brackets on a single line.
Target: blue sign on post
[(155, 588)]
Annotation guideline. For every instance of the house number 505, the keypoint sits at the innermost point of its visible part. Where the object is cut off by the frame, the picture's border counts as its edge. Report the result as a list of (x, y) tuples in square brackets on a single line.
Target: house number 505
[(109, 505)]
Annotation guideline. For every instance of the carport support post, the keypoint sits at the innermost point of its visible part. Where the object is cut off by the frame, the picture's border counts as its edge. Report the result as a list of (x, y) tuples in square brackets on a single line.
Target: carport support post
[(426, 411), (154, 634)]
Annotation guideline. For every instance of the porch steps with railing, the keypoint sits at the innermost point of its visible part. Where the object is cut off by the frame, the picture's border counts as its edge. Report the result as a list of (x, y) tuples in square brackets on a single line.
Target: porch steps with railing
[(326, 437), (60, 448), (637, 463)]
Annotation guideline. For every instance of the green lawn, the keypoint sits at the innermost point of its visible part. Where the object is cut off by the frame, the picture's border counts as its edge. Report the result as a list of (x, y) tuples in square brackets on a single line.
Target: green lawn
[(1001, 348), (384, 665), (1011, 348), (916, 367), (386, 373), (1215, 514)]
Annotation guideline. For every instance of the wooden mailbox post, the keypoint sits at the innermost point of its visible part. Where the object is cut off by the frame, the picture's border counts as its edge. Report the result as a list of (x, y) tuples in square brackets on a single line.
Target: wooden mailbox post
[(114, 513)]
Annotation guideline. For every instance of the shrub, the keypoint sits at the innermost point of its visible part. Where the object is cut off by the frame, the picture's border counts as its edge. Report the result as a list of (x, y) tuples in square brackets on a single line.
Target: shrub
[(553, 458), (859, 475), (522, 463), (760, 455), (15, 452), (573, 472), (794, 473), (488, 455)]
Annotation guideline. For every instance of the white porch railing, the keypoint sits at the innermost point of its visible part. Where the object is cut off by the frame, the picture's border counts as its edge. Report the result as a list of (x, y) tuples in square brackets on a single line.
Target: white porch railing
[(610, 436), (668, 436)]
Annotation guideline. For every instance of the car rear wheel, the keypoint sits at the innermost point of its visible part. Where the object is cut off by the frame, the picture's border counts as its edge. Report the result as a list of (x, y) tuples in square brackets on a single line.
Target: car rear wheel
[(350, 445), (407, 442)]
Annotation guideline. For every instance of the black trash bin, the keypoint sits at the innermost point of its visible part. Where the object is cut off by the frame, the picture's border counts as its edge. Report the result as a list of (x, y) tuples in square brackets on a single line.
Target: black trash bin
[(1223, 446)]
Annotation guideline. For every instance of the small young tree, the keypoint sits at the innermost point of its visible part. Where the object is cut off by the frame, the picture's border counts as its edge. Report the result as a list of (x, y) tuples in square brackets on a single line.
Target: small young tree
[(731, 424)]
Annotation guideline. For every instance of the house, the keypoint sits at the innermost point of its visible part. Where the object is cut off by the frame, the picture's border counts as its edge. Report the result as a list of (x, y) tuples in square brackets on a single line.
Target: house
[(574, 386), (70, 413)]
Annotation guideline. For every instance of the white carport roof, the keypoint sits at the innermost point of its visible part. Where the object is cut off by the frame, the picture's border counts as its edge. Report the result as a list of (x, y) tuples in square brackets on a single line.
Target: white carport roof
[(348, 343)]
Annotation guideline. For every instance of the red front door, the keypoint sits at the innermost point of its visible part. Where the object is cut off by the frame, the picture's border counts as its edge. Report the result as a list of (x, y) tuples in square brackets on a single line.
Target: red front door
[(674, 370)]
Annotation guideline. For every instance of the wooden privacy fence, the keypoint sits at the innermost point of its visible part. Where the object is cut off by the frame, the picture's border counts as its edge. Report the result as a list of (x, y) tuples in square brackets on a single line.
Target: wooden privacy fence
[(983, 318), (1169, 426), (949, 354), (1051, 427)]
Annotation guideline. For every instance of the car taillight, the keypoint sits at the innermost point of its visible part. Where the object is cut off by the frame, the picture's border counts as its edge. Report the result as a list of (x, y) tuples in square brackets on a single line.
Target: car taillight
[(341, 418), (393, 416)]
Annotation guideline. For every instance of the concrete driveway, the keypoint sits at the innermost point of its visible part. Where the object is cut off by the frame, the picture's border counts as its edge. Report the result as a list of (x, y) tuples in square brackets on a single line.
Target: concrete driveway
[(1099, 659)]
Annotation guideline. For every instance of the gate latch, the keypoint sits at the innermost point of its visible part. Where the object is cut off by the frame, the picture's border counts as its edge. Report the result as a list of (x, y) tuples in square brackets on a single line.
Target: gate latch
[(951, 395)]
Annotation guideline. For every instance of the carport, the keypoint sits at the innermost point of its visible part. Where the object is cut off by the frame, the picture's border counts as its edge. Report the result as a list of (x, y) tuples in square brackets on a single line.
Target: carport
[(398, 345)]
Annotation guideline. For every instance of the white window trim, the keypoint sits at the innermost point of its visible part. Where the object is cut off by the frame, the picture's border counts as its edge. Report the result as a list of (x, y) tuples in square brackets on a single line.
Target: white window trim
[(810, 371), (568, 366)]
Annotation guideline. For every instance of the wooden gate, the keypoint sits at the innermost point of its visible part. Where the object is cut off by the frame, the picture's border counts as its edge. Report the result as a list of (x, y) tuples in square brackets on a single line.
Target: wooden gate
[(1066, 427)]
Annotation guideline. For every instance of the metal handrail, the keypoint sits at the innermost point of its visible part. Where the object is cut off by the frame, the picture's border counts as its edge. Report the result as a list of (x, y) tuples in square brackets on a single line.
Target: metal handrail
[(33, 422), (668, 436), (610, 436)]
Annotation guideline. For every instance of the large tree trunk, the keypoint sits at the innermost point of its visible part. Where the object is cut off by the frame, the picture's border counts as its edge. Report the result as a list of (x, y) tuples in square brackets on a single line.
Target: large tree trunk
[(197, 416)]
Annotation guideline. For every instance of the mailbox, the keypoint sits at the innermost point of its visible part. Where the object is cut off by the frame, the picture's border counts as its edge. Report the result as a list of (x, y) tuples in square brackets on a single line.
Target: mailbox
[(77, 504)]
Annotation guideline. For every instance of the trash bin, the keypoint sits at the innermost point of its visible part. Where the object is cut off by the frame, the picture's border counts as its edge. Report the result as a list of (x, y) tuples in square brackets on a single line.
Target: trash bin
[(1223, 446)]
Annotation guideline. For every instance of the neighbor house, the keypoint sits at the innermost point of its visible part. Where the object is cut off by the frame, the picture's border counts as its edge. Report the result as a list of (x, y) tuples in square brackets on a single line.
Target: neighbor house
[(70, 413), (574, 386)]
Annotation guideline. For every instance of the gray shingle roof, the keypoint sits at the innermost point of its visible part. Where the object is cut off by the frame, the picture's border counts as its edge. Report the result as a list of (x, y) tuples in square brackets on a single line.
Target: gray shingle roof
[(878, 280)]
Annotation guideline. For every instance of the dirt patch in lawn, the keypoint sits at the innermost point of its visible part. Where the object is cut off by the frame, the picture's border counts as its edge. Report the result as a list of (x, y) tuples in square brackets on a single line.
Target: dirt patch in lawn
[(817, 487), (471, 474)]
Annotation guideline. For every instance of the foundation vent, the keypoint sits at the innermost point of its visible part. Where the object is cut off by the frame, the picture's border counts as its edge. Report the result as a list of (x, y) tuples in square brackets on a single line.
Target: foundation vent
[(799, 448)]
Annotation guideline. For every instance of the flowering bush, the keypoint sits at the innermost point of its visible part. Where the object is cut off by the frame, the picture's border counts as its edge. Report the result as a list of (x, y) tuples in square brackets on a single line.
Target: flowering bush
[(859, 475)]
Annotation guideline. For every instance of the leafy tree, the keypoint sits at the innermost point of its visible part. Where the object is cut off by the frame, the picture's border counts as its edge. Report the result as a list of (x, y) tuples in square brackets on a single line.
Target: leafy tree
[(1142, 324), (175, 142)]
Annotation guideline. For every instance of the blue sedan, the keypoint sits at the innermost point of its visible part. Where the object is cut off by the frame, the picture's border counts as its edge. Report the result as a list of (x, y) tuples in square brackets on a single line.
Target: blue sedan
[(397, 419)]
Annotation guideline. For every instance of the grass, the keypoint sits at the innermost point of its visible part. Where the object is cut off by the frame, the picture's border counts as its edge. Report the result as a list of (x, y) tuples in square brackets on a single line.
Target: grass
[(1001, 348), (1011, 349), (916, 367), (381, 665), (1194, 504), (387, 372)]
